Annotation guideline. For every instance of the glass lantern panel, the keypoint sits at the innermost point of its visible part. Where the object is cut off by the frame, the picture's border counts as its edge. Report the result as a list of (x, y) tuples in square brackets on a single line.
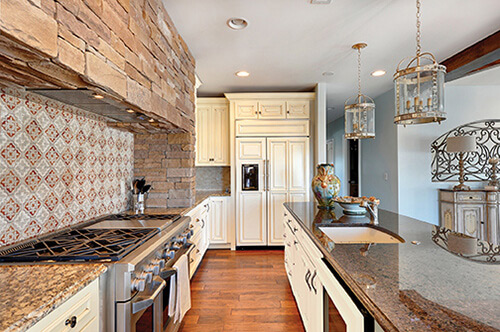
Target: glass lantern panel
[(360, 121)]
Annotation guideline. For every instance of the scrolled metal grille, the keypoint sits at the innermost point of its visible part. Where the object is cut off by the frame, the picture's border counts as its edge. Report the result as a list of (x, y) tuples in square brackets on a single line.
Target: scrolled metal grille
[(445, 165)]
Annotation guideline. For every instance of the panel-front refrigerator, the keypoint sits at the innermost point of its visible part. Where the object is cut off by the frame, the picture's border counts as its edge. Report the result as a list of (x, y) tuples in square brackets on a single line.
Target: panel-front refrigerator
[(270, 171)]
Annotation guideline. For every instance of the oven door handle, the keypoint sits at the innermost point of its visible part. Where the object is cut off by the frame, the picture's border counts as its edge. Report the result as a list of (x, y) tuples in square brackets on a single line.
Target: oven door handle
[(147, 302)]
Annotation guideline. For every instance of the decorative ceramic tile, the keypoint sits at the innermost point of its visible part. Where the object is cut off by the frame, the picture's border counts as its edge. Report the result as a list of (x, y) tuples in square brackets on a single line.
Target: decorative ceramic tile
[(59, 166)]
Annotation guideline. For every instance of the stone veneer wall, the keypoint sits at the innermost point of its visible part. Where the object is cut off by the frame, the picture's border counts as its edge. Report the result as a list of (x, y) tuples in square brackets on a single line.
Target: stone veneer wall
[(59, 166), (167, 163), (129, 48)]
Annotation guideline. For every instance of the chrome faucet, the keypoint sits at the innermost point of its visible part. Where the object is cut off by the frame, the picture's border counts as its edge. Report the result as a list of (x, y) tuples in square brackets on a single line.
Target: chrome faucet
[(372, 209)]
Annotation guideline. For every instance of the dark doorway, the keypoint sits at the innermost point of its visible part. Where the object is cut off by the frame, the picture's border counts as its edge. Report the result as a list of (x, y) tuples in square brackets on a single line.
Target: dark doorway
[(353, 167)]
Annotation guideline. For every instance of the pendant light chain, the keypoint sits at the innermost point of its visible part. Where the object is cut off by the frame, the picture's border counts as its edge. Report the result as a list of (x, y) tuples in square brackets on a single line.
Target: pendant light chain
[(419, 49), (359, 71)]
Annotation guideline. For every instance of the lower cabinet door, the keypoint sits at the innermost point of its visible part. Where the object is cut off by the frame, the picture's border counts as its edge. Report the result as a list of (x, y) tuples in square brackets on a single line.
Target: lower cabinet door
[(251, 218), (472, 220), (218, 220)]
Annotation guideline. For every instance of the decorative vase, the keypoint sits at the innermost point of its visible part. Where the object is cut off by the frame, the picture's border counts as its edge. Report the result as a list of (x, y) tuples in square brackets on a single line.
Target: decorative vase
[(325, 185)]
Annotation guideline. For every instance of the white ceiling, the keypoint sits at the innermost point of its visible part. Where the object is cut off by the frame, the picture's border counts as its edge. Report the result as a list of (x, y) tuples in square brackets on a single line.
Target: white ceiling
[(288, 44)]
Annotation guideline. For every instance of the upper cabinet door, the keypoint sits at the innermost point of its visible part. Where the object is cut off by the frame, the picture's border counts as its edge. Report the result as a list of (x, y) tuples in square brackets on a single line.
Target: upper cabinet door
[(272, 109), (251, 148), (298, 109), (220, 135), (203, 138), (245, 109)]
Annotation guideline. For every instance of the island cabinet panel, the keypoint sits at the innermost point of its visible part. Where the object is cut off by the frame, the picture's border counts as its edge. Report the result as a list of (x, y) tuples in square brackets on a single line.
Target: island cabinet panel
[(79, 313), (324, 304)]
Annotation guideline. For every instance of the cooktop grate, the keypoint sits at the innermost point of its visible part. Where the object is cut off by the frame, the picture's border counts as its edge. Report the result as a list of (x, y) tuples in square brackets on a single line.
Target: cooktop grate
[(172, 217), (81, 244)]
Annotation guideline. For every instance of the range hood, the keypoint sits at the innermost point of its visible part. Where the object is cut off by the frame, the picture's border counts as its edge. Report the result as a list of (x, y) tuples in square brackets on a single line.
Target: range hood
[(85, 99)]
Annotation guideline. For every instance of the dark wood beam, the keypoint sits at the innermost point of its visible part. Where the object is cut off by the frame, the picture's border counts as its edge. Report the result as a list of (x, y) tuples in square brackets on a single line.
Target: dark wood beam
[(480, 56)]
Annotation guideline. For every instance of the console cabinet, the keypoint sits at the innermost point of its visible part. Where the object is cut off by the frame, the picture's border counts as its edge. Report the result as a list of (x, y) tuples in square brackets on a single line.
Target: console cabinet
[(472, 212)]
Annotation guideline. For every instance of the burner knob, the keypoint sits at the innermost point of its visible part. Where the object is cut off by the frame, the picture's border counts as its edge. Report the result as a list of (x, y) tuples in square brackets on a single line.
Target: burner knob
[(153, 268), (181, 239), (160, 262), (147, 276), (188, 233), (138, 284), (169, 254), (175, 246)]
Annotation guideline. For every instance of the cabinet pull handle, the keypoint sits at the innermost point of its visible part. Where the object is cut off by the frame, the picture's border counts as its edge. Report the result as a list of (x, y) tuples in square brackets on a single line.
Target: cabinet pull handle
[(295, 242), (197, 219), (71, 322), (308, 274), (203, 223), (312, 282), (295, 229), (284, 235)]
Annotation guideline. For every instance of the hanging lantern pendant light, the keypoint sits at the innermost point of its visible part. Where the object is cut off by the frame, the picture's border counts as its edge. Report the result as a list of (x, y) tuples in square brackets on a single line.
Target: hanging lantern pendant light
[(360, 114), (419, 87)]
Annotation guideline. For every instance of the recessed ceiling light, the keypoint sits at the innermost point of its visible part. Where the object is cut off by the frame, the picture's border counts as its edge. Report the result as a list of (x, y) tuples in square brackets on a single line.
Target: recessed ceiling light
[(379, 72), (237, 23), (98, 96), (130, 110), (328, 73), (242, 73)]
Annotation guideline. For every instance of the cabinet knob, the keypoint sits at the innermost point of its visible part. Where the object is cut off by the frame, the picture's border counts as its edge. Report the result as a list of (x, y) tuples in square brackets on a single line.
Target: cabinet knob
[(71, 322)]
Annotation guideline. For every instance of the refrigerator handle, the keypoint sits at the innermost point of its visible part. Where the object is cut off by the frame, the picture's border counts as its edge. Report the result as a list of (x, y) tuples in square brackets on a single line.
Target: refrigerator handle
[(267, 175)]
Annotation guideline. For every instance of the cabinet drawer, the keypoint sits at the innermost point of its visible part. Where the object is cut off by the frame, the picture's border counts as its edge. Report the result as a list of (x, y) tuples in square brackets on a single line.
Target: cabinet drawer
[(84, 306), (471, 197)]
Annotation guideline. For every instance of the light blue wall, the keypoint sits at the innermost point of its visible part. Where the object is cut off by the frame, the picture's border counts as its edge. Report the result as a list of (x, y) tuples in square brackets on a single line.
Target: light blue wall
[(418, 196), (336, 131), (379, 157)]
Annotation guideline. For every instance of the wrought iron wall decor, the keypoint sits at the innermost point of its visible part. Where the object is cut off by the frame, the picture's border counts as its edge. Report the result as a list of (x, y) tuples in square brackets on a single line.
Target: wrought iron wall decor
[(487, 252), (444, 165)]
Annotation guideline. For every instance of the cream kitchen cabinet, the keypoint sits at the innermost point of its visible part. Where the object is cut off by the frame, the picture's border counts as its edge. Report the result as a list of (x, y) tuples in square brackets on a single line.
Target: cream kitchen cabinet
[(79, 313), (218, 220), (199, 225), (212, 132), (283, 106), (322, 300)]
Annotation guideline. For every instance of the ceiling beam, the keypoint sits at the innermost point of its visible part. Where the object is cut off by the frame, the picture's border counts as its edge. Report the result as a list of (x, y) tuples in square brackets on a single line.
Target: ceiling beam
[(480, 56)]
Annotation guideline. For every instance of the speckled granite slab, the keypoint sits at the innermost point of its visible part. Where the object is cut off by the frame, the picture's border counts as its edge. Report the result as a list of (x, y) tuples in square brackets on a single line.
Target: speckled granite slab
[(30, 292), (409, 287)]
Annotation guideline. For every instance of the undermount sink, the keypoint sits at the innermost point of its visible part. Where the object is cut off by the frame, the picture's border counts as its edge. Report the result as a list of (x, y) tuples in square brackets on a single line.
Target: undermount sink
[(360, 234)]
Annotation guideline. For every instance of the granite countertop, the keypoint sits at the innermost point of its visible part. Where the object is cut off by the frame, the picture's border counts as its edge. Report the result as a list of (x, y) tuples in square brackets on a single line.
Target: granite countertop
[(416, 286), (200, 196), (30, 292)]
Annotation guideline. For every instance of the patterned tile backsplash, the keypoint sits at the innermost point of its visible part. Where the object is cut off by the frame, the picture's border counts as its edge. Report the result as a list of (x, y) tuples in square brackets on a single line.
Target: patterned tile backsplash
[(59, 166)]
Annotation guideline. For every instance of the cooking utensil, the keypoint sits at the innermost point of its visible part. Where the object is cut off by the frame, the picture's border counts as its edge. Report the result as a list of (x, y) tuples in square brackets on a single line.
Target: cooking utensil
[(146, 188)]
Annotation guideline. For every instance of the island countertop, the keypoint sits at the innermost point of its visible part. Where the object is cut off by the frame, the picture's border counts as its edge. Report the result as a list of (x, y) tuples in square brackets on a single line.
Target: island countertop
[(413, 286)]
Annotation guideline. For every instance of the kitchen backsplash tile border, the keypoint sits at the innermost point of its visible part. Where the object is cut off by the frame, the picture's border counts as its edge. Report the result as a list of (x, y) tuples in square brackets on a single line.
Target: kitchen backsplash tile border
[(59, 166)]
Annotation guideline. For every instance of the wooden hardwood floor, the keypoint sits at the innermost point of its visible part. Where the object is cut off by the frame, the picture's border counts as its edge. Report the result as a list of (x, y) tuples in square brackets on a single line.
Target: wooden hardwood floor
[(242, 291)]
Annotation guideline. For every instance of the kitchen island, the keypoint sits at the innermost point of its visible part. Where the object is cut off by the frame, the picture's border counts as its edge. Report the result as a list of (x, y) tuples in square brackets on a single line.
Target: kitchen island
[(416, 285)]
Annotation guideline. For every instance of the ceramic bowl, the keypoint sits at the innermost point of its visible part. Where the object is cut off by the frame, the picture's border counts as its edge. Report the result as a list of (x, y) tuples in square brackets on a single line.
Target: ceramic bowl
[(352, 208)]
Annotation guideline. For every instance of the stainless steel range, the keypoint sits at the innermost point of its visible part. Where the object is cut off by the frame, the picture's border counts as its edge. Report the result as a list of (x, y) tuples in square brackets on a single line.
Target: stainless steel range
[(140, 250)]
